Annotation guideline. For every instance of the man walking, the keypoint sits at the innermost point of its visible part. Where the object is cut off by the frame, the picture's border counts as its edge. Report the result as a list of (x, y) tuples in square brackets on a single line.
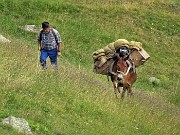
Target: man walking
[(49, 44)]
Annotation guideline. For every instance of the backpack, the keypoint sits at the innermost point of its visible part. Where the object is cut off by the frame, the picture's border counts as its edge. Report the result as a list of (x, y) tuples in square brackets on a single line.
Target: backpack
[(52, 33)]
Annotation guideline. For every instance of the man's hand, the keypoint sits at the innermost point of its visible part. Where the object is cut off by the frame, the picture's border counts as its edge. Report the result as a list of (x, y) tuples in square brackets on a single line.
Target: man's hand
[(58, 53), (39, 48)]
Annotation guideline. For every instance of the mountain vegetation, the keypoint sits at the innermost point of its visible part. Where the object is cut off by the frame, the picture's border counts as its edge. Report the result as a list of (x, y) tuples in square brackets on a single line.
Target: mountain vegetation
[(74, 100)]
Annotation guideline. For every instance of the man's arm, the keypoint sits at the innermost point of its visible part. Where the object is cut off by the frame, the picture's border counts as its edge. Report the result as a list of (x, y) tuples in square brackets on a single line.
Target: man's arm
[(39, 45), (39, 38), (59, 45), (58, 41)]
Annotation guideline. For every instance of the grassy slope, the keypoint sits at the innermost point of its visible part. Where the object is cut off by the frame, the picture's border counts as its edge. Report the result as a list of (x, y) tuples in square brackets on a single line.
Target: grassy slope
[(68, 102)]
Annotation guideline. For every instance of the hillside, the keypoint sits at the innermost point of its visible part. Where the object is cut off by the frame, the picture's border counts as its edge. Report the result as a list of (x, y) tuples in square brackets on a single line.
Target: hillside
[(77, 101)]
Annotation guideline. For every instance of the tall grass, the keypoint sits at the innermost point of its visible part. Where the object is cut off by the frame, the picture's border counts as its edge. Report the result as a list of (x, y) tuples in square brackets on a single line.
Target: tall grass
[(73, 101)]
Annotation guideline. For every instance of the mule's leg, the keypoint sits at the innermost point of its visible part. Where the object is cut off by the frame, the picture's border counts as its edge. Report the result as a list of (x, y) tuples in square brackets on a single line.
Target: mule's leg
[(113, 79), (124, 91), (119, 88), (115, 88), (130, 93)]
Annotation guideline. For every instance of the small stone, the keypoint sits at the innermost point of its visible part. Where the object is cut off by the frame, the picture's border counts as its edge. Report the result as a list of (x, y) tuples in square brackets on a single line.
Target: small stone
[(4, 40), (31, 28), (154, 80), (19, 124)]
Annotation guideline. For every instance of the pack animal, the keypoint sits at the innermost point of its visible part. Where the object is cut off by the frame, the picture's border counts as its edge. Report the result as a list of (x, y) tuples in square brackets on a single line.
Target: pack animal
[(123, 75)]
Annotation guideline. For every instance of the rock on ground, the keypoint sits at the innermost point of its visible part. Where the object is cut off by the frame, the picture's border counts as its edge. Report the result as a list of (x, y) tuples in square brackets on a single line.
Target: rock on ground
[(19, 124), (4, 40), (154, 80), (31, 28)]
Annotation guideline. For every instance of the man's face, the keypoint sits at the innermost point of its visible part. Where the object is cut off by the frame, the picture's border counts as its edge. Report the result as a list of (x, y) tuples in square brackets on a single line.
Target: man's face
[(46, 30)]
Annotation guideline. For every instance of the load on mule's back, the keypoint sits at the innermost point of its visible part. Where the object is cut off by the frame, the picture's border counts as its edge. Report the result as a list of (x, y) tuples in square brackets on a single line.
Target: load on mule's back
[(118, 60)]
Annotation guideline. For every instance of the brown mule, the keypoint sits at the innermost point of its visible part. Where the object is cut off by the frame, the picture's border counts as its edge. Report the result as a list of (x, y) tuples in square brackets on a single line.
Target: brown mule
[(123, 75)]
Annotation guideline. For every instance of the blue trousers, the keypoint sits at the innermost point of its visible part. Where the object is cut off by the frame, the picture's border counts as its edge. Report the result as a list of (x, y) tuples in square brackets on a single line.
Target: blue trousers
[(52, 54)]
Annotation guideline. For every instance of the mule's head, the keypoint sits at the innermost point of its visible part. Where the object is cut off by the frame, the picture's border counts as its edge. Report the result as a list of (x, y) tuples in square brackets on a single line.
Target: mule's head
[(123, 67)]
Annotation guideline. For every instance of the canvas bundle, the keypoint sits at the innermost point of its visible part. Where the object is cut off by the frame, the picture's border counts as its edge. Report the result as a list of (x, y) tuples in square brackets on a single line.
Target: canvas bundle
[(103, 57), (121, 42), (104, 69), (135, 45)]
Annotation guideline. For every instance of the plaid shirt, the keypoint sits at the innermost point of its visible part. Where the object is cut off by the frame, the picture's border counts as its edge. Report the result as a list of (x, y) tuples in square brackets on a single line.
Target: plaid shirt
[(49, 40)]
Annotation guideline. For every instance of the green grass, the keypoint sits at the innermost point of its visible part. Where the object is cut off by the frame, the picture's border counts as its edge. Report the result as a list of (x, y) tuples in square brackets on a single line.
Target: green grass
[(73, 101)]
